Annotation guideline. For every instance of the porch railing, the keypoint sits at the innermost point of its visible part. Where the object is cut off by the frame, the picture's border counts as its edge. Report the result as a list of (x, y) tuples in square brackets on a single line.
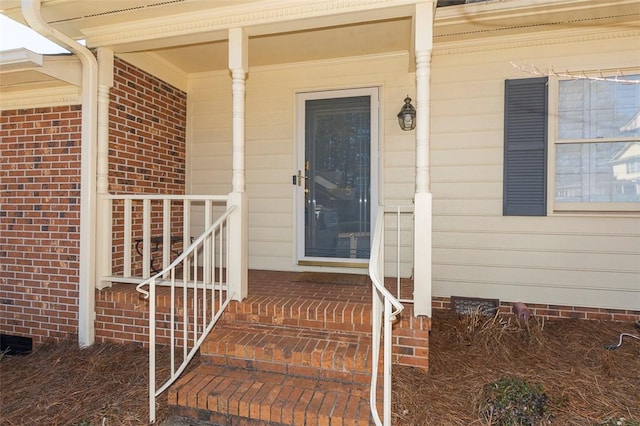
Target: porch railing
[(198, 293), (148, 231), (398, 255), (385, 308)]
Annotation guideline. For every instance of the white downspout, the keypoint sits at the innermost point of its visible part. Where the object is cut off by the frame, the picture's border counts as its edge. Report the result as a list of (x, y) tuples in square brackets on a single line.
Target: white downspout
[(31, 10)]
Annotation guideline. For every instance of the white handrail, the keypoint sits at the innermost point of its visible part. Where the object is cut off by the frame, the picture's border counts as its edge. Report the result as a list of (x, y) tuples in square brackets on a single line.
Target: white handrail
[(212, 245), (385, 308)]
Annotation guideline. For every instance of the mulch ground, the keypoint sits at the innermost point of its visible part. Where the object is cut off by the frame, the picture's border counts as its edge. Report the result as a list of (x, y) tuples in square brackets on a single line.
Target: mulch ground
[(586, 384)]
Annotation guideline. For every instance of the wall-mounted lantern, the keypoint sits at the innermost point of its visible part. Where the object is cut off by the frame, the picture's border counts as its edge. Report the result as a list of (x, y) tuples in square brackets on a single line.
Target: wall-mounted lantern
[(407, 115)]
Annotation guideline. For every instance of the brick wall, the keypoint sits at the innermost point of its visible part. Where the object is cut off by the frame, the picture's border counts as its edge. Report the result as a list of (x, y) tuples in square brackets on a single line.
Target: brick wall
[(147, 133), (40, 184), (123, 315), (411, 340), (147, 149), (40, 221), (557, 311)]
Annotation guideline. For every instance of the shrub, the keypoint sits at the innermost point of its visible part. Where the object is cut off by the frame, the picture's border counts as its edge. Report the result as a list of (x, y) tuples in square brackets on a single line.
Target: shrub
[(513, 401)]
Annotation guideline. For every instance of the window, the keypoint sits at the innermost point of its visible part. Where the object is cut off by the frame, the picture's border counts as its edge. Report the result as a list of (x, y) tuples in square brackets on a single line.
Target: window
[(597, 148), (574, 144)]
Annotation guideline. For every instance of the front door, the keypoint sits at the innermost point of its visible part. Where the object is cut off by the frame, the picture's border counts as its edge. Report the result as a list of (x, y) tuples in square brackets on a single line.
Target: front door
[(336, 179)]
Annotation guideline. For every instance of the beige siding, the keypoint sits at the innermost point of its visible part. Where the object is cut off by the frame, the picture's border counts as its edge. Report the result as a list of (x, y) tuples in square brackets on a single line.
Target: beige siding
[(588, 260), (564, 259), (271, 146)]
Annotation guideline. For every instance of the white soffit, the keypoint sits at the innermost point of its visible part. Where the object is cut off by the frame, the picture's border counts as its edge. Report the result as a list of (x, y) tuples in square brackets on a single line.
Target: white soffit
[(302, 46), (19, 59), (22, 69), (189, 36), (511, 17)]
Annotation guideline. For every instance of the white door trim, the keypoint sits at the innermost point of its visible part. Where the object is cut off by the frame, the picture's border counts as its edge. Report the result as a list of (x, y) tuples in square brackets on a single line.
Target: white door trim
[(299, 196)]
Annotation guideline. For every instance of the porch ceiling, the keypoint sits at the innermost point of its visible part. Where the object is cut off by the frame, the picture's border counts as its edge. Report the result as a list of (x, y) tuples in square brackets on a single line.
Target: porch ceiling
[(190, 35), (335, 42)]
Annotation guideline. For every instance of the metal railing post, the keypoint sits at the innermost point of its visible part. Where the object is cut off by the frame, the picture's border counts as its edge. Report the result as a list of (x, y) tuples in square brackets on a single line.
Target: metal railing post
[(152, 350), (385, 309), (200, 320)]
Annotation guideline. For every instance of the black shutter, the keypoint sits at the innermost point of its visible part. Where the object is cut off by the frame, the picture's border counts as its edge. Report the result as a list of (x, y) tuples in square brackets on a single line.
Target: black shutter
[(525, 147)]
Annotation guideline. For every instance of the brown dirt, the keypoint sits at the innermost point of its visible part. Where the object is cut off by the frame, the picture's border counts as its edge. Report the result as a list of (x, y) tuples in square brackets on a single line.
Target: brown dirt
[(106, 384)]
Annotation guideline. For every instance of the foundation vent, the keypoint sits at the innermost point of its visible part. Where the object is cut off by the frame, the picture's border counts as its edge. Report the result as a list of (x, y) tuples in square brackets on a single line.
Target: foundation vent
[(15, 345), (466, 305)]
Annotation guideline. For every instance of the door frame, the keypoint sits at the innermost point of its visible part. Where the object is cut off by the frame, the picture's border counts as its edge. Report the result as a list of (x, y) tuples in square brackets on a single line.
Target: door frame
[(299, 195)]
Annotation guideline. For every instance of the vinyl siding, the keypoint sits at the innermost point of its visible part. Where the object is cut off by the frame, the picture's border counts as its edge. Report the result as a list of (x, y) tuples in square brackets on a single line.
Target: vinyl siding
[(576, 260), (271, 149)]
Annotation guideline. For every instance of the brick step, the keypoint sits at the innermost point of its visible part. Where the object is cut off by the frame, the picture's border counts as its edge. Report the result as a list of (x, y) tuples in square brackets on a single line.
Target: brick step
[(312, 312), (295, 357), (297, 351), (226, 395)]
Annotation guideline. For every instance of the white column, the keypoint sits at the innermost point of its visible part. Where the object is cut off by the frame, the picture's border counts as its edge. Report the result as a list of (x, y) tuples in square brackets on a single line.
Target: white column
[(239, 66), (423, 30), (238, 244), (103, 213)]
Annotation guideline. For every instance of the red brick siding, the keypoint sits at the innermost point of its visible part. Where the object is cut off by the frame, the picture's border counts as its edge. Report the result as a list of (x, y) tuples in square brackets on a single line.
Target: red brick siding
[(40, 221), (558, 311), (40, 184), (123, 316), (411, 340), (147, 149), (146, 134)]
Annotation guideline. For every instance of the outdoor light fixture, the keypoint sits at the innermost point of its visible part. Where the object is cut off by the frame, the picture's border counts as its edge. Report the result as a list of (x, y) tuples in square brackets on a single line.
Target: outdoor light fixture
[(407, 115)]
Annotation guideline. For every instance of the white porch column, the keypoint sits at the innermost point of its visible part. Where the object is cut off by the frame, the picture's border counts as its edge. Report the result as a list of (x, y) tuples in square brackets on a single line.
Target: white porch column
[(103, 213), (238, 244), (423, 30)]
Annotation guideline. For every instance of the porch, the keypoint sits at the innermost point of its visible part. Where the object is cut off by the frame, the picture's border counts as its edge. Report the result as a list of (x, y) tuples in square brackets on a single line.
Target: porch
[(296, 350)]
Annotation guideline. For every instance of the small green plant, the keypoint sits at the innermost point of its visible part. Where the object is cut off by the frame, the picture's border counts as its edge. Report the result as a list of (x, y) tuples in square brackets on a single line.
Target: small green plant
[(513, 401)]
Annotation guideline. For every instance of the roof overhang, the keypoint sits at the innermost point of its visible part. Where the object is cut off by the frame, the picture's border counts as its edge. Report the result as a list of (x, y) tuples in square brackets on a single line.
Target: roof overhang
[(25, 76), (190, 36)]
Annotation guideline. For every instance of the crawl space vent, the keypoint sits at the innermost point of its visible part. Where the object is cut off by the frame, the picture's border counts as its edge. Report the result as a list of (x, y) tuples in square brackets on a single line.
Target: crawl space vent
[(466, 305), (15, 345)]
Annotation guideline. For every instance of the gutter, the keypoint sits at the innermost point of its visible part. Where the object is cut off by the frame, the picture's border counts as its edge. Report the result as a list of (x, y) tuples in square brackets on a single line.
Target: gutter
[(31, 10)]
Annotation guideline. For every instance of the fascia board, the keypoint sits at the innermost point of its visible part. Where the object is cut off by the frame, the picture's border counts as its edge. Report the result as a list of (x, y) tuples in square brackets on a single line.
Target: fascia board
[(259, 18), (40, 97), (19, 59), (65, 68)]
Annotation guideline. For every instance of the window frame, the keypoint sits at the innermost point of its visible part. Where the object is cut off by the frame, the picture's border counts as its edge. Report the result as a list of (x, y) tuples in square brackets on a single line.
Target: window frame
[(553, 141)]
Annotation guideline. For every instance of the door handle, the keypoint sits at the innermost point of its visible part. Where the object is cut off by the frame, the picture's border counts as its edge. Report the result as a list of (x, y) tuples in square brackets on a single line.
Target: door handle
[(300, 178)]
